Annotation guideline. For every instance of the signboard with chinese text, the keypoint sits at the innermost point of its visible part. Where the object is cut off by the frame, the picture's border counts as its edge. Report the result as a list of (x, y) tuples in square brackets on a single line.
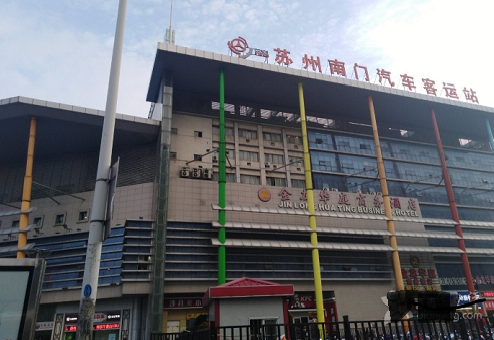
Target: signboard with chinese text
[(335, 201), (361, 73), (183, 303)]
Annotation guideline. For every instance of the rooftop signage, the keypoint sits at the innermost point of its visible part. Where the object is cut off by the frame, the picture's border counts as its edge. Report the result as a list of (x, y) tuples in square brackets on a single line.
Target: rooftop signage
[(337, 68)]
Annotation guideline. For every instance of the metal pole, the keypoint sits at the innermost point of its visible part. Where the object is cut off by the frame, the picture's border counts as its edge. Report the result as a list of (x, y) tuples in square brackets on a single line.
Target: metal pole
[(454, 209), (386, 201), (26, 191), (98, 211), (222, 185), (316, 266)]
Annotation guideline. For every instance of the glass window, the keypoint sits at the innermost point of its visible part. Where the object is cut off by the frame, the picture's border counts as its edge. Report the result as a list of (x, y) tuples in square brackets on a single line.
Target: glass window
[(173, 156), (249, 156), (249, 179), (294, 139), (15, 224), (197, 157), (298, 183), (38, 221), (228, 130), (249, 134), (278, 182), (59, 219), (273, 137), (230, 178), (83, 216), (197, 133), (275, 159), (174, 131)]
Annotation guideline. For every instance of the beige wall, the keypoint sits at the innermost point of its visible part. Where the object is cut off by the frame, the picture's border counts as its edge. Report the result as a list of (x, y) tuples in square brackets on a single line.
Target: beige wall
[(131, 202)]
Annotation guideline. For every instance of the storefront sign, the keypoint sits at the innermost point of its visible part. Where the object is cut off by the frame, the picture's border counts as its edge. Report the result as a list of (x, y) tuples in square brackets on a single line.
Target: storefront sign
[(416, 278), (102, 321), (334, 201), (487, 294), (489, 304), (44, 326), (337, 68), (302, 301), (464, 297), (182, 303), (461, 281)]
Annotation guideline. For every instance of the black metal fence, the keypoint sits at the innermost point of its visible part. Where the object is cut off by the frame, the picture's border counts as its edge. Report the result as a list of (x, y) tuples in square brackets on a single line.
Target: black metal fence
[(465, 327)]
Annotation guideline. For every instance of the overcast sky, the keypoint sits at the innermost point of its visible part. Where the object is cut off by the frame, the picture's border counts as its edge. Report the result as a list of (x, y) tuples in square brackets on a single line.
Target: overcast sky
[(60, 50)]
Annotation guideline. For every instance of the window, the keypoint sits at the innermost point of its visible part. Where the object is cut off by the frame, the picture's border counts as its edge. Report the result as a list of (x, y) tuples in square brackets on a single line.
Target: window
[(15, 224), (83, 216), (198, 157), (318, 141), (249, 179), (275, 159), (276, 182), (197, 133), (174, 131), (59, 219), (230, 178), (173, 156), (249, 156), (249, 134), (294, 139), (228, 130), (38, 221), (273, 137), (298, 183)]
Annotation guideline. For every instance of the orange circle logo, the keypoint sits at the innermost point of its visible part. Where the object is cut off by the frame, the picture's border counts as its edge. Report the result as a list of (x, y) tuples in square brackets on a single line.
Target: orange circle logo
[(264, 194)]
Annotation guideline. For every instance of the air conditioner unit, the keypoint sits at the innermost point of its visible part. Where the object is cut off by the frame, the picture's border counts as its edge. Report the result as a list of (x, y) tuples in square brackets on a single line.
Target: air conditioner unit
[(334, 189), (207, 173), (267, 164), (196, 173), (215, 159), (185, 172)]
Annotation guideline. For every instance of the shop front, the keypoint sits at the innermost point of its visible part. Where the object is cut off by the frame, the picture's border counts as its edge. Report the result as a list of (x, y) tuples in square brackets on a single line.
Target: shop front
[(183, 312), (107, 325), (488, 303)]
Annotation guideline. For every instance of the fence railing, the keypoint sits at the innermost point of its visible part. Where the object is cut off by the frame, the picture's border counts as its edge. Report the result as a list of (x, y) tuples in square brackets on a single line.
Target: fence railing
[(472, 327)]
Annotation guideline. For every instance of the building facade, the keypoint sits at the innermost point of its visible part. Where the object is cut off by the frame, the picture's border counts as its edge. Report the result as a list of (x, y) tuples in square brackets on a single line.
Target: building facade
[(162, 254)]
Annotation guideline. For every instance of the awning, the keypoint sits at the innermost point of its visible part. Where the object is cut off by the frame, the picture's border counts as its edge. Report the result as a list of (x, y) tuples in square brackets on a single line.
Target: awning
[(337, 246), (13, 249)]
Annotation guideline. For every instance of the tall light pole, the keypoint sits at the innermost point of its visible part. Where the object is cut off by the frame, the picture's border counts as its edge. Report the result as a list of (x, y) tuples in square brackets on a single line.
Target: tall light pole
[(98, 211)]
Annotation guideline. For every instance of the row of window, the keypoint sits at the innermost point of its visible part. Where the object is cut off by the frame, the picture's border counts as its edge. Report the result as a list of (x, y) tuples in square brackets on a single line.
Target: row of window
[(252, 134), (400, 150), (59, 220)]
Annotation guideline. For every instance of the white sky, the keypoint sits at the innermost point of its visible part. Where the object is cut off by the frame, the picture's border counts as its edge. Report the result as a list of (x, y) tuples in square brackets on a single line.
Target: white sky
[(60, 50)]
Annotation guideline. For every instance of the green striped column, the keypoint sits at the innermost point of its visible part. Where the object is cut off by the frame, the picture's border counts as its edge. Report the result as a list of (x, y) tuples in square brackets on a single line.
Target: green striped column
[(222, 186)]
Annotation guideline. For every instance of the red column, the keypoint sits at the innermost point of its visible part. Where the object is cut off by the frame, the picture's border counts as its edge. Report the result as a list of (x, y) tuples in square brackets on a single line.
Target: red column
[(454, 209)]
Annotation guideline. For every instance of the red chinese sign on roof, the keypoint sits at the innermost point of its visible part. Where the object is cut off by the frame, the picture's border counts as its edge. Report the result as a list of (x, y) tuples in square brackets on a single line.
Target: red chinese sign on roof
[(240, 47)]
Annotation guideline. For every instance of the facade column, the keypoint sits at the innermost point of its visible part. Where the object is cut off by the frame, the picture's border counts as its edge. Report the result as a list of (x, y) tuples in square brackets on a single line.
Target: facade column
[(163, 178), (395, 257), (26, 191), (454, 210), (316, 266), (222, 185)]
